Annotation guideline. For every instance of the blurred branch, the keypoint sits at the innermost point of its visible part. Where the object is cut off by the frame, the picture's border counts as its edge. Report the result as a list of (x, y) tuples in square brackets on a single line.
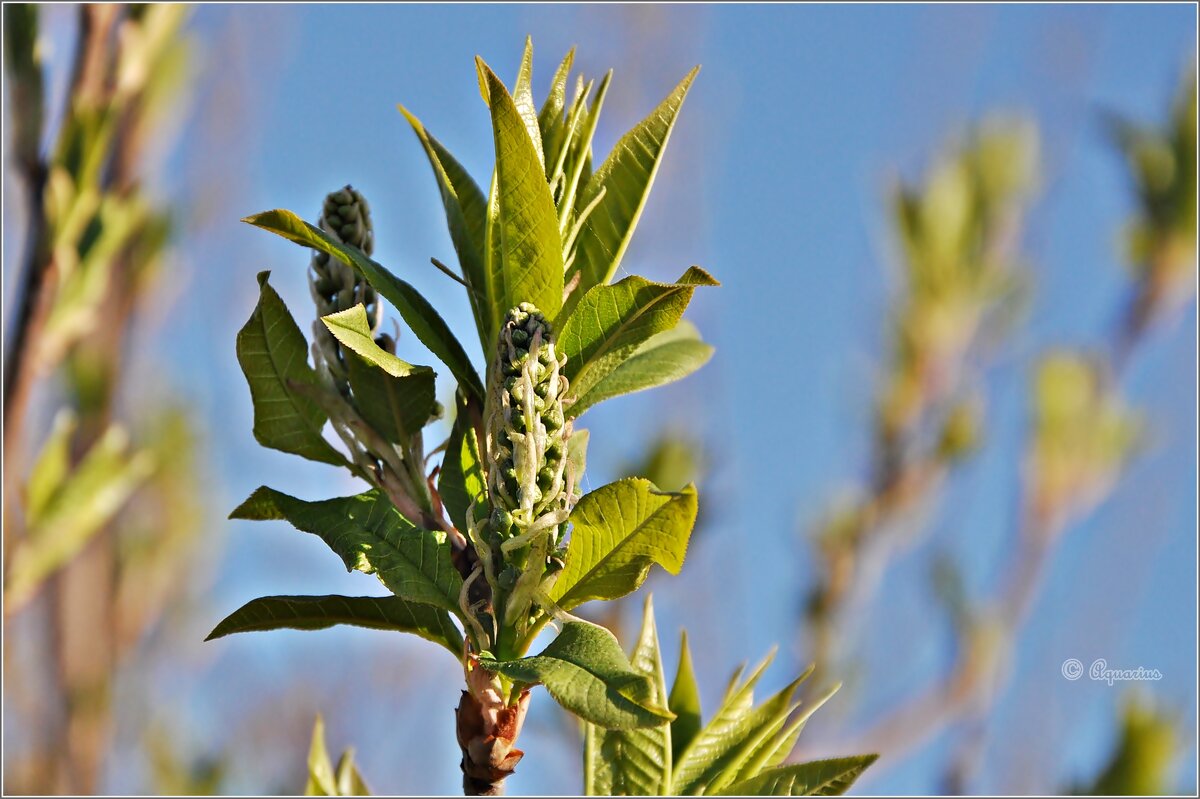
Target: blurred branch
[(94, 238), (960, 283)]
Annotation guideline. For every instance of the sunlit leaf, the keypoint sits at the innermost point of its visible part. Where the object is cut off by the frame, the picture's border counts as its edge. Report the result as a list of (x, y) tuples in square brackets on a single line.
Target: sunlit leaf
[(664, 358), (684, 701), (619, 531), (420, 316), (524, 264), (274, 354), (395, 397), (625, 177), (633, 762), (611, 322), (586, 672), (322, 612), (466, 217), (370, 535), (819, 778)]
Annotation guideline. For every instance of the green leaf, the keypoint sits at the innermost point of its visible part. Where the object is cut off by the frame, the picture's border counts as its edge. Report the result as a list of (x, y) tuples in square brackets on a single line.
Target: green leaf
[(718, 755), (66, 515), (273, 353), (578, 157), (684, 702), (611, 322), (523, 99), (526, 264), (586, 672), (619, 530), (633, 762), (466, 218), (321, 780), (663, 358), (718, 735), (550, 119), (370, 536), (817, 778), (430, 329), (461, 479), (393, 396), (625, 176), (350, 780), (52, 466), (321, 612)]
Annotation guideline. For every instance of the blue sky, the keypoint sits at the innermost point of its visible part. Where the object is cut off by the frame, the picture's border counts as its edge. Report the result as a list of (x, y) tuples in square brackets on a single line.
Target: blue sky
[(774, 182)]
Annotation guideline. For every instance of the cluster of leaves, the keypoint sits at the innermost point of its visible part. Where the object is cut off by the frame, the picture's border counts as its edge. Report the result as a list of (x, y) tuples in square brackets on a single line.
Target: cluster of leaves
[(740, 751)]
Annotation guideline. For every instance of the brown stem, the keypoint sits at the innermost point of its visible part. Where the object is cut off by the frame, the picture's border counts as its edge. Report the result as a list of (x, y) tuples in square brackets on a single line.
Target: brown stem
[(487, 728)]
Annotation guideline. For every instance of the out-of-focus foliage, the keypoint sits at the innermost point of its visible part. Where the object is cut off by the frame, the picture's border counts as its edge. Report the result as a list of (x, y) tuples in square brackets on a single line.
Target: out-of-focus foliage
[(739, 751), (65, 506), (1160, 240), (959, 287), (103, 523), (1143, 760), (95, 245), (325, 779), (1082, 435), (671, 461), (956, 235)]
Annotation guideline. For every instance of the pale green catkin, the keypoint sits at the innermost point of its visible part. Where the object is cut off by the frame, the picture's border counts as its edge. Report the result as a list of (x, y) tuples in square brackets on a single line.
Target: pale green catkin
[(528, 477)]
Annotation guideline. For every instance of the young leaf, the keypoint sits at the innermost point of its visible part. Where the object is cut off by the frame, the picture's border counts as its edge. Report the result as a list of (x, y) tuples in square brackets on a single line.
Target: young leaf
[(611, 322), (619, 531), (395, 397), (370, 536), (273, 353), (461, 480), (776, 751), (625, 176), (663, 358), (727, 752), (67, 515), (718, 734), (523, 99), (586, 672), (430, 329), (466, 217), (321, 612), (684, 702), (321, 781), (349, 780), (526, 265), (633, 762), (578, 162), (817, 778), (550, 119)]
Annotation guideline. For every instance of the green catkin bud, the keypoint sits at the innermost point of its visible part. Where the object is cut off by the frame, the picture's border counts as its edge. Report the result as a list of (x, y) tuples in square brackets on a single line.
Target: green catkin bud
[(530, 482), (526, 434), (334, 285)]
